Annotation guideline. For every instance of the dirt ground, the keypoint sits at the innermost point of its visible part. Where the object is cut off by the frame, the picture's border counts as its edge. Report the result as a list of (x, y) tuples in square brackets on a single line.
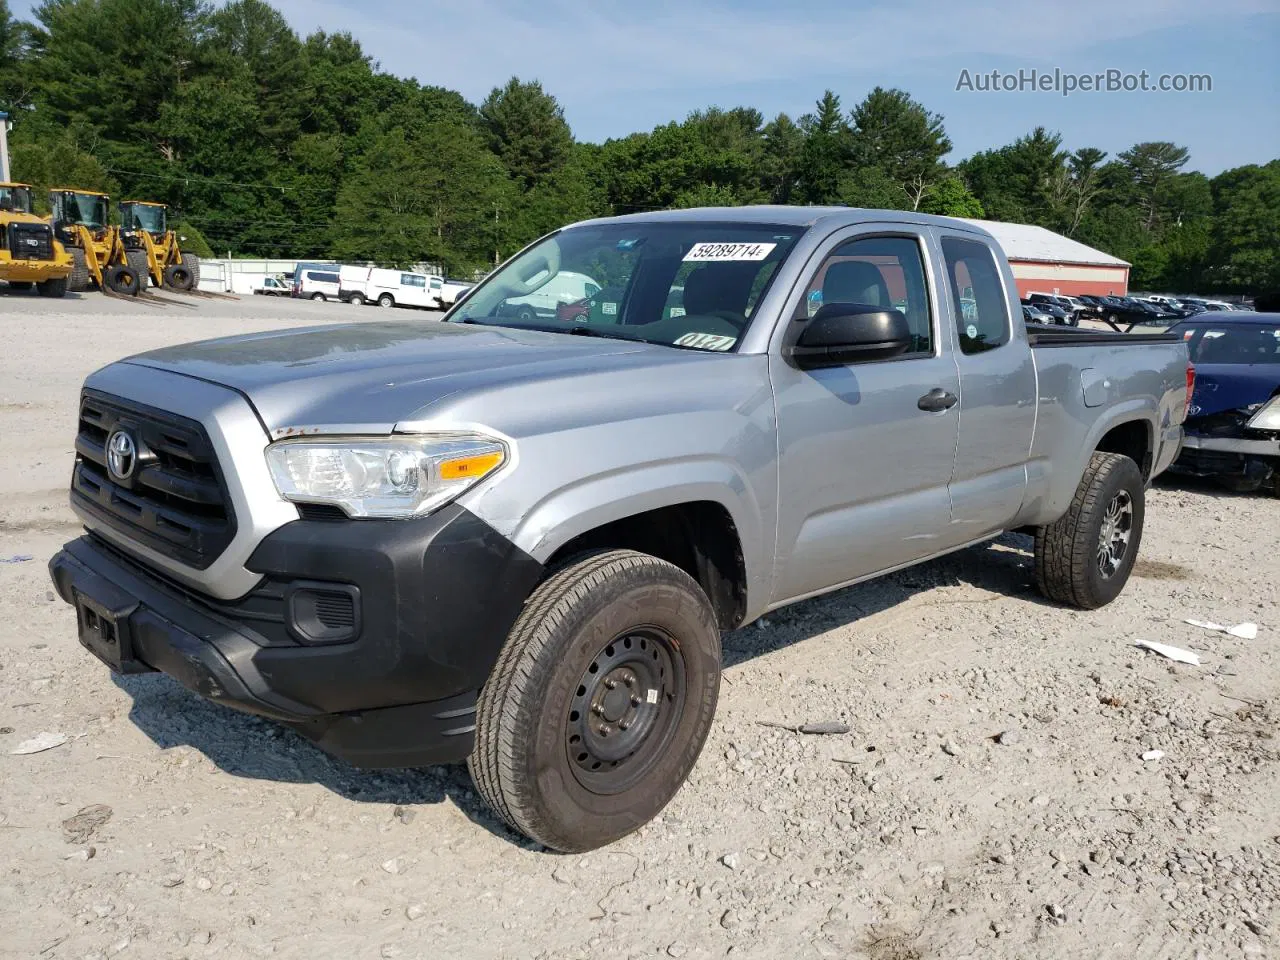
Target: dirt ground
[(990, 801)]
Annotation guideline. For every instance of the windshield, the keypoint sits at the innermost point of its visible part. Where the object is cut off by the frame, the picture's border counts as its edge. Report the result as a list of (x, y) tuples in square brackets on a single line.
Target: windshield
[(15, 199), (86, 208), (1243, 343), (138, 216), (690, 285)]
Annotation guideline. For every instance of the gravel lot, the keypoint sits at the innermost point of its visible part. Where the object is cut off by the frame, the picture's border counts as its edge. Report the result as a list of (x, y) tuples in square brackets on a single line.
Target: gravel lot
[(991, 799)]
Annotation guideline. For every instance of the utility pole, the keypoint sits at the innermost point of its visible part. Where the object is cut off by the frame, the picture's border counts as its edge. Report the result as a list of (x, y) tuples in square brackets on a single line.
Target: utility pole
[(5, 125)]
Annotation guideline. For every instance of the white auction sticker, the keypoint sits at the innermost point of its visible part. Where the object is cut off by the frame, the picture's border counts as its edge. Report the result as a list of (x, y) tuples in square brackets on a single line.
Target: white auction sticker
[(729, 251), (609, 309), (707, 341), (651, 696)]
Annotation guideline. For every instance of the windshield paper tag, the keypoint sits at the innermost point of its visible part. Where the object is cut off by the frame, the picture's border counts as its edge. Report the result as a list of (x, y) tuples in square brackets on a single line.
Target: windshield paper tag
[(729, 251), (707, 341)]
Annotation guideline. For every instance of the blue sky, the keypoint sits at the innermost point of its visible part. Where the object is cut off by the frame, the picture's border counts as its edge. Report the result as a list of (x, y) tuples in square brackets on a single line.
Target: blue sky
[(618, 66)]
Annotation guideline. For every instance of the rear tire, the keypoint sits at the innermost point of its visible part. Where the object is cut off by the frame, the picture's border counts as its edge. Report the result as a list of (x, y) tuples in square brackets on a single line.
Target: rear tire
[(1084, 558), (356, 300), (52, 288), (137, 260), (192, 263), (124, 280), (317, 296), (386, 300), (79, 279), (600, 702)]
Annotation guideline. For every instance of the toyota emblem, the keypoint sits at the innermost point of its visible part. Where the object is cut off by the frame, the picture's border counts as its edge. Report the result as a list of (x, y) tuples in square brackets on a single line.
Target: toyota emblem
[(122, 455)]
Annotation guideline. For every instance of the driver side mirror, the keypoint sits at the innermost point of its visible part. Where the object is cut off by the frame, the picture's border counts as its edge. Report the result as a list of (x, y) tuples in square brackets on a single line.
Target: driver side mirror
[(841, 333)]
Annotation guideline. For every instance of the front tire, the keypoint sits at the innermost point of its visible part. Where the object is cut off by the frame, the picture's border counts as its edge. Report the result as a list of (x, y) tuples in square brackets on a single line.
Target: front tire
[(178, 276), (1084, 558), (123, 280), (52, 288), (317, 296), (600, 702)]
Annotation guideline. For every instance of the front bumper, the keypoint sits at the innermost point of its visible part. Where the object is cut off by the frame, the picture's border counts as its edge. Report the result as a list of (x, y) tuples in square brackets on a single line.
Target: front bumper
[(35, 271), (1208, 455), (434, 599)]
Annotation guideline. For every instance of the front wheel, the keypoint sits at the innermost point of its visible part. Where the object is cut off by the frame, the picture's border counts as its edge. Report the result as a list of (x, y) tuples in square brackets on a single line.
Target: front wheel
[(1084, 558), (317, 296), (600, 702), (52, 288), (179, 276), (122, 279)]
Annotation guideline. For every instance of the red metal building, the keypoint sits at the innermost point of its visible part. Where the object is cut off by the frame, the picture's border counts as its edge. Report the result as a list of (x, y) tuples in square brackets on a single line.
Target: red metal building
[(1048, 262)]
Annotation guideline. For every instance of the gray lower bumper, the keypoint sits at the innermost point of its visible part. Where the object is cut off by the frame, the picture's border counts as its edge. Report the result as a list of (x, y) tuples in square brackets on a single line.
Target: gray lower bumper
[(1258, 448)]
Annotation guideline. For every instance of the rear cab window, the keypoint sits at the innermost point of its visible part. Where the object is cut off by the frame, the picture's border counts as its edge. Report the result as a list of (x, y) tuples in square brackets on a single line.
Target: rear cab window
[(977, 294)]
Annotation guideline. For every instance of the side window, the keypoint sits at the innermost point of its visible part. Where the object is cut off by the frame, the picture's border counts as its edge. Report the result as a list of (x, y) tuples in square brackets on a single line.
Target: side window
[(977, 294), (880, 271)]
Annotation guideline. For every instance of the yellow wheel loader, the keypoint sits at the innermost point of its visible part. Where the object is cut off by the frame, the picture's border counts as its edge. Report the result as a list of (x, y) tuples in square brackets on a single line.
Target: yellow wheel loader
[(145, 231), (30, 255), (98, 256)]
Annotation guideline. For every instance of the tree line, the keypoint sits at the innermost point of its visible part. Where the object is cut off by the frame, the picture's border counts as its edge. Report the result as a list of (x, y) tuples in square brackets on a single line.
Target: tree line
[(268, 144)]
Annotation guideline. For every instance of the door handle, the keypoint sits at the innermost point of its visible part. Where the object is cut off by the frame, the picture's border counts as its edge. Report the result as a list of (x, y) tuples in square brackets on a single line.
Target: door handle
[(937, 400)]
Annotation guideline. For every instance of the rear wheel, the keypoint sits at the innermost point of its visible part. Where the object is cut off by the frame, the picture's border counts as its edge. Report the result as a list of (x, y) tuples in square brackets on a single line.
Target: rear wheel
[(192, 263), (137, 260), (1084, 558), (178, 276), (123, 279), (386, 300), (79, 279), (53, 288), (317, 296), (356, 300), (600, 702)]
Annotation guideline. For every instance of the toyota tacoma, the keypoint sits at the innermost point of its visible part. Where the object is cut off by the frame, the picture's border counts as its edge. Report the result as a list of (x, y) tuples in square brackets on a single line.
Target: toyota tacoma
[(516, 541)]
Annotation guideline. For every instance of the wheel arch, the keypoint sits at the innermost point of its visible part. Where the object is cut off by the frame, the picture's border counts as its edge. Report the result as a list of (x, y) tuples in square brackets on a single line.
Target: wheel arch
[(700, 516)]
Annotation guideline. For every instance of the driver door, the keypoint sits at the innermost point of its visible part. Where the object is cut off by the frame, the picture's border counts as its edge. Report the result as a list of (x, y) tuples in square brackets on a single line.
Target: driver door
[(863, 469)]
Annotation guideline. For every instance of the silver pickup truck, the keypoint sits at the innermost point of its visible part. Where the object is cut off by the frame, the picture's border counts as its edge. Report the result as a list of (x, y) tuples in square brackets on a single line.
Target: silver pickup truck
[(515, 539)]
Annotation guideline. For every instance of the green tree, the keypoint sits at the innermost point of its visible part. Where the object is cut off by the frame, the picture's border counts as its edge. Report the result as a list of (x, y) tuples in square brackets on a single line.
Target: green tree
[(17, 80), (1015, 182), (949, 197), (1152, 168), (526, 129), (825, 156), (780, 158), (897, 135), (1246, 228)]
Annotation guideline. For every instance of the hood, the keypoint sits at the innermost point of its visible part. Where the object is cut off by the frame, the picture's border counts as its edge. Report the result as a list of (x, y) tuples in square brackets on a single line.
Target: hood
[(1232, 386), (373, 375)]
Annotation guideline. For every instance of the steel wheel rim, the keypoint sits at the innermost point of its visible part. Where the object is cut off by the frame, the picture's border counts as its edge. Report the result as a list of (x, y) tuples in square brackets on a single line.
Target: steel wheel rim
[(625, 710), (1113, 538)]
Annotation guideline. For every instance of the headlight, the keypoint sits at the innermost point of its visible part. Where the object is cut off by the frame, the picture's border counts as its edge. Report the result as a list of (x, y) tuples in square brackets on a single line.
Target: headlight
[(382, 476), (1268, 418)]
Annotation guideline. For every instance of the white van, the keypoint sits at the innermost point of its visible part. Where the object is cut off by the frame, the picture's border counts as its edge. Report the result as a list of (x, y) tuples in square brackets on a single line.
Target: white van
[(314, 282), (390, 288), (567, 287)]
